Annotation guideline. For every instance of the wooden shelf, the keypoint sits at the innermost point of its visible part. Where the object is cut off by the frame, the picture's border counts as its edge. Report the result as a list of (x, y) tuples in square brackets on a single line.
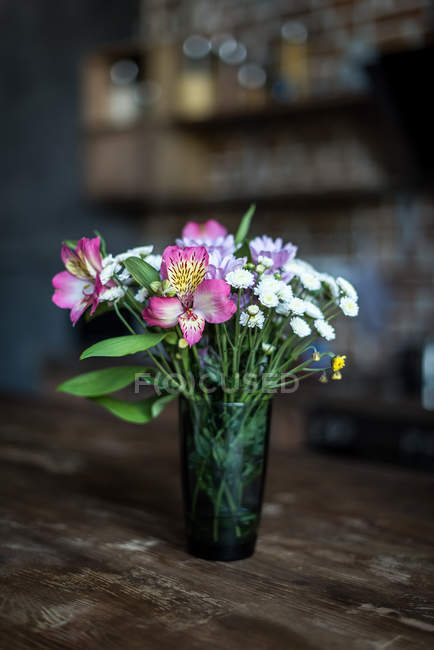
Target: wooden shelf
[(245, 119), (280, 113)]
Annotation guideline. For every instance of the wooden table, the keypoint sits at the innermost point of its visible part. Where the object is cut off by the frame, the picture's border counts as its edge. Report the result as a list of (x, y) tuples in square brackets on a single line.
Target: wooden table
[(91, 543)]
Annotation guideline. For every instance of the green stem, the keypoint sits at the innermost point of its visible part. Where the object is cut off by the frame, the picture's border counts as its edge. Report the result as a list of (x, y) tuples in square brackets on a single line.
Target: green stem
[(217, 506), (122, 319)]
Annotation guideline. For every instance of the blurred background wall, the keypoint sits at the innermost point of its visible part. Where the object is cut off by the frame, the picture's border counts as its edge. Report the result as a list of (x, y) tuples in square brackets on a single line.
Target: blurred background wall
[(41, 46)]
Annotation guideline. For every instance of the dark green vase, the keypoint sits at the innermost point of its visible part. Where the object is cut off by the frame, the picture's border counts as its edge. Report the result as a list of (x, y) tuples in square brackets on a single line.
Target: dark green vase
[(224, 449)]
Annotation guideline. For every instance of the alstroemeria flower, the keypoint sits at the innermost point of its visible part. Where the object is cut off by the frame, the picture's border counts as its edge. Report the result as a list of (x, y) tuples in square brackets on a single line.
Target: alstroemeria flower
[(79, 286), (209, 230), (197, 300)]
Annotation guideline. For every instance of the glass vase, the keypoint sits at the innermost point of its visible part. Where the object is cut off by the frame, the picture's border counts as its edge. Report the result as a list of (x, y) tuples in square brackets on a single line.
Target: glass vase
[(224, 449)]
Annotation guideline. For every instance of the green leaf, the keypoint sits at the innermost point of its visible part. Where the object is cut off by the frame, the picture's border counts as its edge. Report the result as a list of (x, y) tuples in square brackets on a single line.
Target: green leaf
[(101, 382), (122, 345), (244, 251), (244, 226), (141, 271), (71, 243), (137, 412), (103, 245)]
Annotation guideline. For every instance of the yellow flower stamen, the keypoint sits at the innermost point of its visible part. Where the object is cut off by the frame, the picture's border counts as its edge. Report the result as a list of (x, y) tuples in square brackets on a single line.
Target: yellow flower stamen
[(185, 275)]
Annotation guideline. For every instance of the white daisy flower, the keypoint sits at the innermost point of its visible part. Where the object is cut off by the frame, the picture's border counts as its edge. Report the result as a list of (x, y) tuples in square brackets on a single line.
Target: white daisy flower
[(268, 283), (283, 308), (240, 279), (109, 270), (142, 250), (112, 294), (312, 310), (139, 251), (108, 259), (324, 329), (125, 277), (265, 261), (298, 306), (300, 327), (298, 267), (330, 283), (310, 281), (154, 261), (347, 288), (268, 298), (252, 321), (141, 294), (349, 306), (285, 293)]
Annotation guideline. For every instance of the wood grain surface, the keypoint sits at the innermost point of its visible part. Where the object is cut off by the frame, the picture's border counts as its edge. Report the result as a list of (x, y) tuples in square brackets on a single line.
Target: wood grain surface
[(92, 548)]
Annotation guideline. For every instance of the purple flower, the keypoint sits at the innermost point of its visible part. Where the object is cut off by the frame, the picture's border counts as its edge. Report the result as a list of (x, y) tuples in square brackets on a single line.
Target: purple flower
[(220, 265), (225, 245), (272, 249)]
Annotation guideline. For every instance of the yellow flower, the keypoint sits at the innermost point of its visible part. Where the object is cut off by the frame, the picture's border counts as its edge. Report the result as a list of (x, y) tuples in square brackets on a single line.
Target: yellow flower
[(338, 363), (337, 375)]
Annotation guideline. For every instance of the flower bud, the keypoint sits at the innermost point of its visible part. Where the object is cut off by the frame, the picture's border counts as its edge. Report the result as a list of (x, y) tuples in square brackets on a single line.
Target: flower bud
[(249, 266), (265, 261), (316, 356), (260, 268), (252, 310), (337, 375), (182, 344), (277, 276), (155, 286), (323, 378), (168, 290)]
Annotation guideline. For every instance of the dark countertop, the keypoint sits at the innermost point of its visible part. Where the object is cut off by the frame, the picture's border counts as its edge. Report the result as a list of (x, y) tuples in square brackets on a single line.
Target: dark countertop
[(92, 547)]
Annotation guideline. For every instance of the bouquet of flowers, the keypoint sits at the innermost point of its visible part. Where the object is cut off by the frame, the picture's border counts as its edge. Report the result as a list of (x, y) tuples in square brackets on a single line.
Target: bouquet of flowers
[(224, 322)]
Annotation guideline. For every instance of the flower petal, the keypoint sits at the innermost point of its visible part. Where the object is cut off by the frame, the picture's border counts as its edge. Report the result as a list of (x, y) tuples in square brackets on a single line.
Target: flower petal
[(185, 268), (163, 311), (212, 300), (209, 230), (68, 289), (73, 263), (213, 229), (191, 229), (192, 325), (79, 308), (88, 250)]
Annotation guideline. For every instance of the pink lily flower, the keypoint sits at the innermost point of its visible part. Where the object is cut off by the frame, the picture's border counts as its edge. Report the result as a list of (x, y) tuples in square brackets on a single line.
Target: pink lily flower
[(209, 230), (79, 286), (197, 300)]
